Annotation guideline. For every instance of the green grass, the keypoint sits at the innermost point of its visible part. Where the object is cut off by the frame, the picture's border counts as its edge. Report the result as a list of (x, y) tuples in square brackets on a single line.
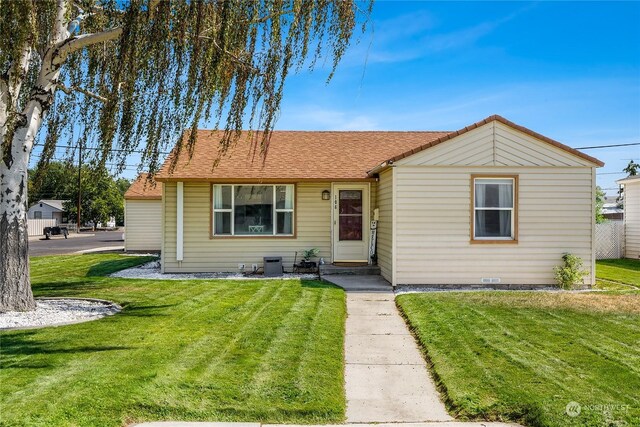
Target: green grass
[(618, 274), (269, 351), (523, 356)]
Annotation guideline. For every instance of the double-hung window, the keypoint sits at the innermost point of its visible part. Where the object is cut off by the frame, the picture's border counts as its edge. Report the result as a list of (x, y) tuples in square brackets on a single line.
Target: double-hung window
[(253, 210), (494, 208)]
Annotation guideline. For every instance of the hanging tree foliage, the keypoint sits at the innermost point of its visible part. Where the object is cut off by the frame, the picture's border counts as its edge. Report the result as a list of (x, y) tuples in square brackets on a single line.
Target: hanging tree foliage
[(116, 76)]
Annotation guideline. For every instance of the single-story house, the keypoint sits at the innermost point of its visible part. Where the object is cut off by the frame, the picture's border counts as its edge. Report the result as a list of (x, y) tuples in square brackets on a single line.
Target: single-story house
[(143, 215), (631, 215), (47, 209), (449, 208), (611, 210)]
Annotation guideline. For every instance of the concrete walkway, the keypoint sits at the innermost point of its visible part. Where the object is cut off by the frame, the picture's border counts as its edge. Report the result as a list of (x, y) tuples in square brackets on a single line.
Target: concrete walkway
[(386, 377)]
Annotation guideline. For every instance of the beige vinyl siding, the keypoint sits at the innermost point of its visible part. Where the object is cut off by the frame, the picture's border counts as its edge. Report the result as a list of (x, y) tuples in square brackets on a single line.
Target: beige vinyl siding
[(514, 148), (632, 219), (143, 225), (494, 144), (202, 254), (385, 223), (433, 225), (458, 151)]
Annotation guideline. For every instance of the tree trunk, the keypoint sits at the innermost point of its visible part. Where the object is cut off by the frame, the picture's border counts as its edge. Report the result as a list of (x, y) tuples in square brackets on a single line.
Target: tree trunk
[(15, 285)]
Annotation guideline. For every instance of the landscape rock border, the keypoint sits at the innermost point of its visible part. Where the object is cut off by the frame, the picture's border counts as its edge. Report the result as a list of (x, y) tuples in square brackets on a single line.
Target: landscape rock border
[(151, 271), (46, 315)]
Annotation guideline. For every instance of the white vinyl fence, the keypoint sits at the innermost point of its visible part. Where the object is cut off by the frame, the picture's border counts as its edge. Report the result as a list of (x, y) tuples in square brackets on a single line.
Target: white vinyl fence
[(610, 240), (36, 226)]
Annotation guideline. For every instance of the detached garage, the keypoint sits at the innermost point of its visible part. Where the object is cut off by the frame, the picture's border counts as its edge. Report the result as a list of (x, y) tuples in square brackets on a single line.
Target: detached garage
[(143, 215)]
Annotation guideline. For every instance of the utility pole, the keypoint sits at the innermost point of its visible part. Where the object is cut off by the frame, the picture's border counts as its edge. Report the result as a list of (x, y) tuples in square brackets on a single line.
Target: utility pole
[(79, 183)]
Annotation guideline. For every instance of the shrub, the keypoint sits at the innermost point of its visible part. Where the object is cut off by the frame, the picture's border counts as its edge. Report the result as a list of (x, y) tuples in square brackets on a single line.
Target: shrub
[(310, 253), (570, 273)]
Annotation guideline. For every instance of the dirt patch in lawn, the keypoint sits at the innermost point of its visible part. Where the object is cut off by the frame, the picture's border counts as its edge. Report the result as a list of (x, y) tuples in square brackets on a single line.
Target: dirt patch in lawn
[(587, 301)]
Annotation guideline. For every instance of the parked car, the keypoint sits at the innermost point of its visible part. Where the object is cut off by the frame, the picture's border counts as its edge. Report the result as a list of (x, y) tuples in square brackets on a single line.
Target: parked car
[(55, 231)]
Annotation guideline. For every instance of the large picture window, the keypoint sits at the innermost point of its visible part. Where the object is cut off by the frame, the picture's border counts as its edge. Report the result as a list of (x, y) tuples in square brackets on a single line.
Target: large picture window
[(253, 210), (494, 211)]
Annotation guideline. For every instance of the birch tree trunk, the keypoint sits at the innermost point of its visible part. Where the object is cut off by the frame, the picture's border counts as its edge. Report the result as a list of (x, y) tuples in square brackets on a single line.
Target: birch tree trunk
[(15, 283)]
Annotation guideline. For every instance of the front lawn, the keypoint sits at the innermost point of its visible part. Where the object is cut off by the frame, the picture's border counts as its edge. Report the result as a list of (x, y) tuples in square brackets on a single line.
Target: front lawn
[(215, 350), (523, 356), (614, 274)]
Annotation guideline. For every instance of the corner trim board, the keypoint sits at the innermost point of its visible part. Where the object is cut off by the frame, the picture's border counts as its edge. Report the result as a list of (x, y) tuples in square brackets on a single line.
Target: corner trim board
[(179, 221)]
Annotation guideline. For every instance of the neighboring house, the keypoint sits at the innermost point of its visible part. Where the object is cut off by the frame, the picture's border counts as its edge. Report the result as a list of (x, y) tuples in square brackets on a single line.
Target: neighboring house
[(610, 209), (452, 208), (47, 209), (631, 215), (143, 215)]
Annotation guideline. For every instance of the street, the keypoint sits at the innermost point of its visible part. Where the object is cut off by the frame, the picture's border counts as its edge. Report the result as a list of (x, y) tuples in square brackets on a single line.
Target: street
[(58, 245)]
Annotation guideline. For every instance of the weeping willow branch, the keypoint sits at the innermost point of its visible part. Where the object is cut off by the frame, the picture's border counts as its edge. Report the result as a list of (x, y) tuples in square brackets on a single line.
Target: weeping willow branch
[(74, 44), (235, 58), (70, 89), (159, 67), (94, 8)]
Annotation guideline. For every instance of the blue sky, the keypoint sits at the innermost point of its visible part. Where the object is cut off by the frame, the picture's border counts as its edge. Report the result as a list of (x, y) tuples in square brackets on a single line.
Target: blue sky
[(570, 71)]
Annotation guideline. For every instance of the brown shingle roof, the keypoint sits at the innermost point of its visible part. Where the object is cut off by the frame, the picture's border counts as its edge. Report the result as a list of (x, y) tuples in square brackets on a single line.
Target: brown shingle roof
[(313, 155), (143, 189), (294, 155)]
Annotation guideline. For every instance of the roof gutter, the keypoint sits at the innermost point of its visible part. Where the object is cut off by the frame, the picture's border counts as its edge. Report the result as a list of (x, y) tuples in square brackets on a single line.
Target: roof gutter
[(629, 179), (382, 166)]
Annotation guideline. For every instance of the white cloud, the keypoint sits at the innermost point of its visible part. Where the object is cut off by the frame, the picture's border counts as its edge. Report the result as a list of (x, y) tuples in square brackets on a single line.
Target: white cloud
[(413, 36), (314, 117)]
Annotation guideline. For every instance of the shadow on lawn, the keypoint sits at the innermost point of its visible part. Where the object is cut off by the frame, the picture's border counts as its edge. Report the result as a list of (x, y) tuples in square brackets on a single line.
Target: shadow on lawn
[(317, 284), (63, 288), (23, 343), (133, 310)]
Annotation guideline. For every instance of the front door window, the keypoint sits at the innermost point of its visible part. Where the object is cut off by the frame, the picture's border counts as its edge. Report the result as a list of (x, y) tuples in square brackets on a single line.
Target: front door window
[(350, 214)]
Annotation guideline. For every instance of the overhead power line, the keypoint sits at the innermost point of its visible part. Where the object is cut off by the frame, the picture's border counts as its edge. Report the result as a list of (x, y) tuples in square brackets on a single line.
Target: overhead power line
[(607, 146), (59, 159), (113, 150), (121, 150)]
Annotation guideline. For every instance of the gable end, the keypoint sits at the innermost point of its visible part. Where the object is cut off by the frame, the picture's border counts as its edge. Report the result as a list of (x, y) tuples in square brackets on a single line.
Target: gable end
[(494, 141)]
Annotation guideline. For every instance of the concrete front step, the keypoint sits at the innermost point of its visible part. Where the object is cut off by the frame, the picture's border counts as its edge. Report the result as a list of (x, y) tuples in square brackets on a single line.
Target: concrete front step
[(358, 283), (357, 270)]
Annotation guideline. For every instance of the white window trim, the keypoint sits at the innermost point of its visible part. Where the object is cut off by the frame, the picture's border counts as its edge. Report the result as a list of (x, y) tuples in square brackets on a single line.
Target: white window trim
[(233, 206), (512, 208)]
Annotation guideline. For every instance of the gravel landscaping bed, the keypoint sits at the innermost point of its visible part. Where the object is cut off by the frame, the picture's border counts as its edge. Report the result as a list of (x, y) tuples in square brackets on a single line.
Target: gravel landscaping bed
[(427, 289), (58, 311), (151, 270)]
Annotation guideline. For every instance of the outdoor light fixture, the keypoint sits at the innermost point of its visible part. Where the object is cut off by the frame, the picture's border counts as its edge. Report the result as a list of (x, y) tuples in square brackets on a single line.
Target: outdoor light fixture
[(326, 195)]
